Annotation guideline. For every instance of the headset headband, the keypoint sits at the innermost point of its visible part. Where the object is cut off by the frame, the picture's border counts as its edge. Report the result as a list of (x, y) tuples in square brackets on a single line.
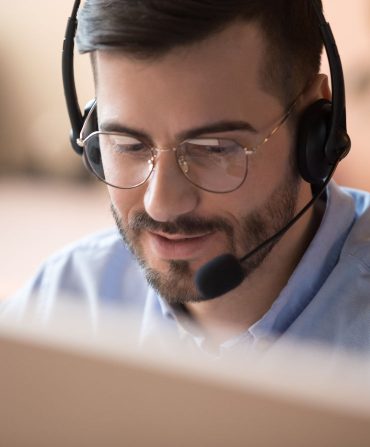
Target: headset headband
[(69, 85)]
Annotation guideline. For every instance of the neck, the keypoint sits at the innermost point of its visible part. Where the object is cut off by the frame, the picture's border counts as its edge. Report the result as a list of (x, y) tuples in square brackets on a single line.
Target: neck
[(237, 310)]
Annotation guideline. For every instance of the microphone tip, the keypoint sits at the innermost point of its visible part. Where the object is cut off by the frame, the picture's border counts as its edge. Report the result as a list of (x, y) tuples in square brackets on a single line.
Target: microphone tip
[(219, 276)]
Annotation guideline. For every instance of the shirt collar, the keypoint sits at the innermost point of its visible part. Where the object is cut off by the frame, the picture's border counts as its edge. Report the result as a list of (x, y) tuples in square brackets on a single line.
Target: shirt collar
[(313, 269)]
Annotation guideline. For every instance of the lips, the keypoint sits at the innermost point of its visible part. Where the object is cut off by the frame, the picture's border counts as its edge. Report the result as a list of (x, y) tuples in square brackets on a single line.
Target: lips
[(178, 247)]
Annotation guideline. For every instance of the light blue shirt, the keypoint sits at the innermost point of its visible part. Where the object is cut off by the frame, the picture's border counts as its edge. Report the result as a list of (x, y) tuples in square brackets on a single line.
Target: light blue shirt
[(327, 298)]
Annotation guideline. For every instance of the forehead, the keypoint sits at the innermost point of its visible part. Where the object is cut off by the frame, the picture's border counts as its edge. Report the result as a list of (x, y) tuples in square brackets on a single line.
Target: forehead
[(199, 82)]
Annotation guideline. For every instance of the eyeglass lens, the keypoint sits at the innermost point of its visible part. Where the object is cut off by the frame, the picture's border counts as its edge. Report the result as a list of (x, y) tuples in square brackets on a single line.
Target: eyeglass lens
[(217, 165)]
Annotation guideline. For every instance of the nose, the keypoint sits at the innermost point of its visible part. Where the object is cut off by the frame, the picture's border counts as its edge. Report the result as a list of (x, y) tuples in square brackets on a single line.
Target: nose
[(169, 194)]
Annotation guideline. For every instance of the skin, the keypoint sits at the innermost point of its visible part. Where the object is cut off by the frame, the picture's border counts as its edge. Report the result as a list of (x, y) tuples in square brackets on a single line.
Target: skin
[(201, 85)]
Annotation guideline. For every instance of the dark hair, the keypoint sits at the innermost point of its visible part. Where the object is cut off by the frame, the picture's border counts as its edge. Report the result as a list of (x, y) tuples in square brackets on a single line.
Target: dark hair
[(151, 28)]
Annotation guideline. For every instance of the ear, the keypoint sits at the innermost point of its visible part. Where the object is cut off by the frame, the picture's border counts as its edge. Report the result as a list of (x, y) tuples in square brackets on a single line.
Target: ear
[(313, 130), (320, 89), (324, 87)]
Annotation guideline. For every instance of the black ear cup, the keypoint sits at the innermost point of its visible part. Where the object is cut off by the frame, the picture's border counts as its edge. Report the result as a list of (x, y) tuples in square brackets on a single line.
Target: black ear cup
[(93, 157), (312, 136), (92, 126), (92, 152)]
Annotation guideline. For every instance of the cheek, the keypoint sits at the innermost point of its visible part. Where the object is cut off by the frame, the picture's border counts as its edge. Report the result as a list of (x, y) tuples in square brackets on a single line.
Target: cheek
[(268, 168), (127, 202)]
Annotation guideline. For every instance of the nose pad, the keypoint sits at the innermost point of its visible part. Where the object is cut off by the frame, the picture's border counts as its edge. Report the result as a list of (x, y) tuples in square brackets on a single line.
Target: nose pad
[(183, 164)]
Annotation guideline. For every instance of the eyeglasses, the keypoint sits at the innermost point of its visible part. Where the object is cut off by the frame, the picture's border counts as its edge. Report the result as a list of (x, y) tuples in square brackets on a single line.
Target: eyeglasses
[(216, 165)]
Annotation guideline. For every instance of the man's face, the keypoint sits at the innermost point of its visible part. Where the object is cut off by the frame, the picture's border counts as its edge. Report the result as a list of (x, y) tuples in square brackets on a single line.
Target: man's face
[(172, 226)]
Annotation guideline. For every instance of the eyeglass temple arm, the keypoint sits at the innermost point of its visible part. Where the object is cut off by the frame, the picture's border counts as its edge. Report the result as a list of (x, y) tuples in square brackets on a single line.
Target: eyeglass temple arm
[(276, 128)]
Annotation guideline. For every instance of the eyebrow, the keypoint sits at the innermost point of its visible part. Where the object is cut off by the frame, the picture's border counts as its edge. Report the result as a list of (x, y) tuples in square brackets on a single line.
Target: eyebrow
[(217, 127)]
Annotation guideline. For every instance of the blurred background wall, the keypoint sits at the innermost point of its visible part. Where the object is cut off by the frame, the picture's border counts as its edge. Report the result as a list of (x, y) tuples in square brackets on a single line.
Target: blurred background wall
[(43, 203), (34, 125), (350, 21)]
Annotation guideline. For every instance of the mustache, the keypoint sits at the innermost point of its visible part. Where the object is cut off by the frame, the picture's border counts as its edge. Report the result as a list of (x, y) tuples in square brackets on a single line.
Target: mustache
[(187, 225)]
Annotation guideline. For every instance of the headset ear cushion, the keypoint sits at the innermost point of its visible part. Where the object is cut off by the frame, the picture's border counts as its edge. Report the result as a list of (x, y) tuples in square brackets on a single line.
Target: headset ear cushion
[(312, 135)]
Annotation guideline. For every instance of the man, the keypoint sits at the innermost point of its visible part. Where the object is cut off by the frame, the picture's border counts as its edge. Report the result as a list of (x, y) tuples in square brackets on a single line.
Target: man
[(198, 108)]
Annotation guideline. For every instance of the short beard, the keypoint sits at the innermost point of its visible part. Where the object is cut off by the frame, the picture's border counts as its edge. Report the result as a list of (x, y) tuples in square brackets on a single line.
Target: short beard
[(176, 285)]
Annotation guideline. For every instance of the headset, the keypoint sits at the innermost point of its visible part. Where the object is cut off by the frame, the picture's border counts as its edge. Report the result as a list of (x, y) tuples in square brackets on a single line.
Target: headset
[(322, 138), (322, 142)]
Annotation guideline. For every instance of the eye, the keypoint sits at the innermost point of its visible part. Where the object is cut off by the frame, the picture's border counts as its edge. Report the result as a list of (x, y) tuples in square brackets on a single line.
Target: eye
[(129, 148), (122, 144), (212, 146), (216, 149)]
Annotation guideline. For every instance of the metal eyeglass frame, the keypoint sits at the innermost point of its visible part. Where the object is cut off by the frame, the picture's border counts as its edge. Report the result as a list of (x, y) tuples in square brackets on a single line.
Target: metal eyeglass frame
[(81, 141)]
